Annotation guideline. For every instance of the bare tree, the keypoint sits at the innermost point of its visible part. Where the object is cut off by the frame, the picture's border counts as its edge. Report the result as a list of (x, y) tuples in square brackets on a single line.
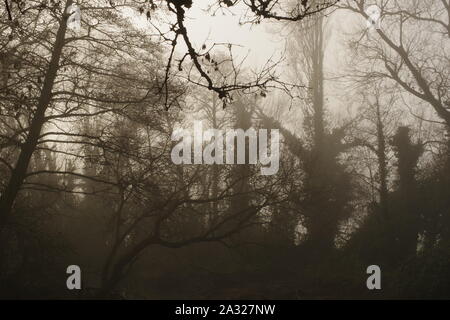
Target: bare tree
[(53, 75), (405, 49)]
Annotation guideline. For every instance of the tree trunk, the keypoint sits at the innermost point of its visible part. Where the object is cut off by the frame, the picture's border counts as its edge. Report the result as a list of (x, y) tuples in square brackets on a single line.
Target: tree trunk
[(20, 170), (382, 164)]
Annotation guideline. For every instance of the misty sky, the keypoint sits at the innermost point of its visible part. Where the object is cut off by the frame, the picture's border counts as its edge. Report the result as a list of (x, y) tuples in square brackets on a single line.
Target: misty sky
[(262, 42)]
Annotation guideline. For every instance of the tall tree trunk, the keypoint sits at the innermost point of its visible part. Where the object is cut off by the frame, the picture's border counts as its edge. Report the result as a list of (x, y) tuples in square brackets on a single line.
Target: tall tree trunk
[(20, 170), (382, 163), (322, 225), (317, 56), (215, 169)]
